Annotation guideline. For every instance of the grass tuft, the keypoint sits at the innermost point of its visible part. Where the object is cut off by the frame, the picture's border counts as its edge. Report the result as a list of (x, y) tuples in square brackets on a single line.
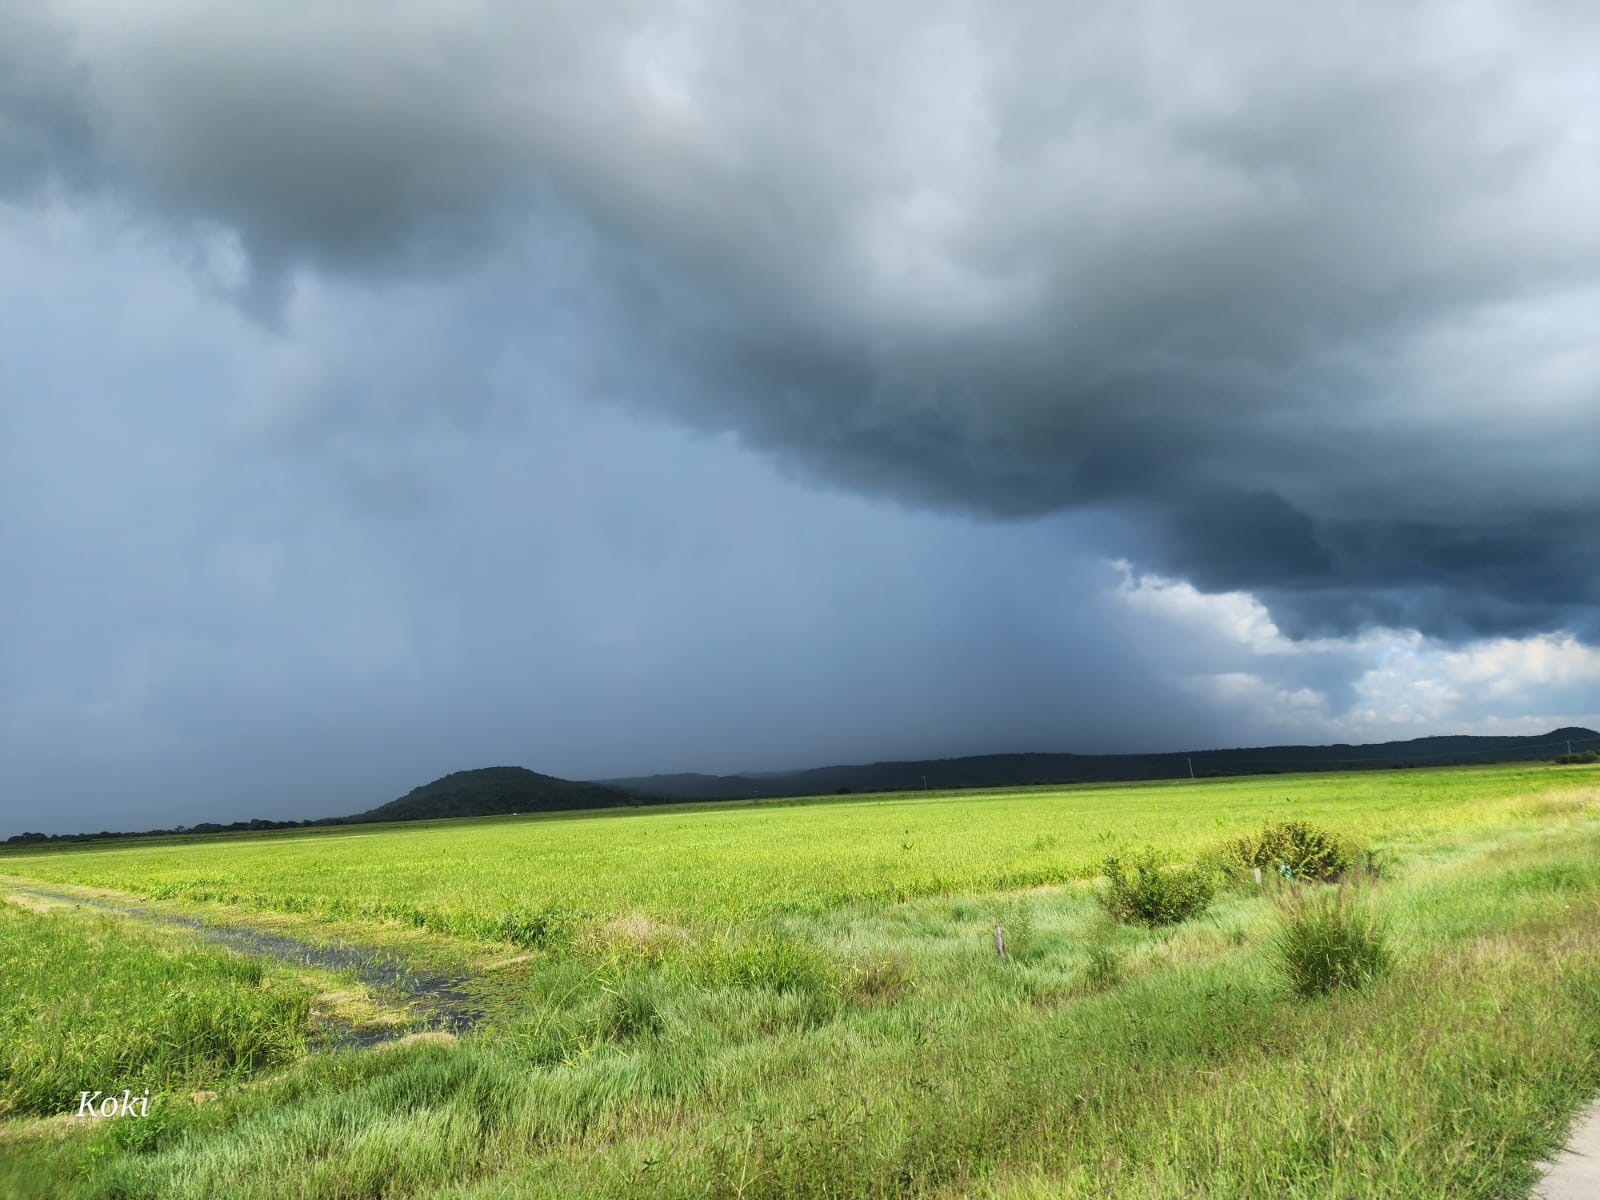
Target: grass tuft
[(1103, 969), (631, 1010), (1329, 938)]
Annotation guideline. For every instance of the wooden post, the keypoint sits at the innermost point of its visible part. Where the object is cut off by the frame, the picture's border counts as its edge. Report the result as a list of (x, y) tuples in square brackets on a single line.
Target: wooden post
[(1000, 942), (1258, 876)]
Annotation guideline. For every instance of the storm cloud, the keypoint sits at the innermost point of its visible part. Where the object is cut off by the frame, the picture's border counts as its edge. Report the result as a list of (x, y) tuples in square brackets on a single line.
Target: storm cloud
[(1313, 294), (1293, 304)]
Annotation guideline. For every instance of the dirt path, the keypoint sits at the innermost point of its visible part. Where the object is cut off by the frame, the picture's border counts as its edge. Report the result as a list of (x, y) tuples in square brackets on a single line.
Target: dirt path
[(442, 1000)]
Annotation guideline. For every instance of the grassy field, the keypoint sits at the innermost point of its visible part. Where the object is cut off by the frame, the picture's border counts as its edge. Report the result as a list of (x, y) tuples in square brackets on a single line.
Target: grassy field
[(734, 862), (75, 1010), (804, 999)]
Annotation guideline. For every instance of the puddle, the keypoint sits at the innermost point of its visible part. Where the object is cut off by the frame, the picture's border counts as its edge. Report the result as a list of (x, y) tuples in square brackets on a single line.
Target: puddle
[(443, 1000)]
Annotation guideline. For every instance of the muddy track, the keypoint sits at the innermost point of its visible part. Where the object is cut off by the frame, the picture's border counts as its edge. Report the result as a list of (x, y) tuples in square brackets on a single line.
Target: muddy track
[(442, 1000)]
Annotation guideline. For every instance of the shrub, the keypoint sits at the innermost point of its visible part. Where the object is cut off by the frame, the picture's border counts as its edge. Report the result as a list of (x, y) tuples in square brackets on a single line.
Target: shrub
[(1296, 850), (1142, 890), (1329, 938)]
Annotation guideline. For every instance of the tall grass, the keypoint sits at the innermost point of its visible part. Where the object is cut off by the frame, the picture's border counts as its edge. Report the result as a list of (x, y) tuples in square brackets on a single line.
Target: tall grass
[(96, 1004), (1445, 1078), (1329, 938), (878, 1048)]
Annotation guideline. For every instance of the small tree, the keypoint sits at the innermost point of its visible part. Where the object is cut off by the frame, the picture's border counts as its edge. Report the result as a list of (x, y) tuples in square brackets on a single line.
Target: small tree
[(1296, 850), (1142, 890)]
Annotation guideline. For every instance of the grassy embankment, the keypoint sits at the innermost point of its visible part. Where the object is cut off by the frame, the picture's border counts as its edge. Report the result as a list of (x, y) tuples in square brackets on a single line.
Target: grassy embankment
[(92, 1002), (782, 1000)]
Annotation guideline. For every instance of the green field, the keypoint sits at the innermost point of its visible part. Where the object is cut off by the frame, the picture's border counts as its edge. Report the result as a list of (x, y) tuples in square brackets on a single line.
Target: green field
[(803, 998), (737, 861)]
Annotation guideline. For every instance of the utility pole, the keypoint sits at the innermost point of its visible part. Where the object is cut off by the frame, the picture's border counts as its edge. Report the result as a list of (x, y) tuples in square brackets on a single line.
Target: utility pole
[(1190, 761)]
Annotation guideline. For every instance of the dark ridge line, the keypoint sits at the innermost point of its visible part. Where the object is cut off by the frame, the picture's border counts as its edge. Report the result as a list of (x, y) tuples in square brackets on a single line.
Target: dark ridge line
[(517, 791)]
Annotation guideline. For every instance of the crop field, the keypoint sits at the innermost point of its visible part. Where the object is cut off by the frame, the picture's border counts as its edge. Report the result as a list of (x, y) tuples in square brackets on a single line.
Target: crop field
[(731, 862), (806, 998)]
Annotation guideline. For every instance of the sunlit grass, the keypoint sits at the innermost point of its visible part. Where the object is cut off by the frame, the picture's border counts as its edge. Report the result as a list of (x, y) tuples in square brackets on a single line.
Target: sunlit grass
[(536, 878), (94, 1003), (776, 1046)]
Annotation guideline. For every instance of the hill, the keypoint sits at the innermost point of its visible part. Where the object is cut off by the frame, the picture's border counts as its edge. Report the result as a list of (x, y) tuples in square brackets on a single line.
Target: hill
[(1019, 770), (489, 791)]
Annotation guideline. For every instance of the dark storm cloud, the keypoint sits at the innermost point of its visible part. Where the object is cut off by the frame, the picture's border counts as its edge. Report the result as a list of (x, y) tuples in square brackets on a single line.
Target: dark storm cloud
[(207, 629), (45, 130), (1311, 294)]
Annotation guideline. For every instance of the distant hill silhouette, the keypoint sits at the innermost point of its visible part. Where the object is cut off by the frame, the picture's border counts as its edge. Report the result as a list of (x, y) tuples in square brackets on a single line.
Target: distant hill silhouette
[(489, 791), (1020, 770)]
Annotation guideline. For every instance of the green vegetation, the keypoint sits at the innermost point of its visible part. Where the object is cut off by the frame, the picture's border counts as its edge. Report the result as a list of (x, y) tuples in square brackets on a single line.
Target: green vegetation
[(736, 862), (1145, 890), (491, 790), (1034, 770), (805, 1000), (94, 1002), (1296, 850), (1330, 937)]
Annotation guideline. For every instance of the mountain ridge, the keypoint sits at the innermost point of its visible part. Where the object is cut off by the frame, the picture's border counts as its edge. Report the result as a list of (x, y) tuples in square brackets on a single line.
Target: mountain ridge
[(494, 791), (510, 790), (1055, 767)]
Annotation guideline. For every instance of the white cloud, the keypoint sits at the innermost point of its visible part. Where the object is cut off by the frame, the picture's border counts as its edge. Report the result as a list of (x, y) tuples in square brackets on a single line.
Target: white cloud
[(1234, 617), (1397, 683)]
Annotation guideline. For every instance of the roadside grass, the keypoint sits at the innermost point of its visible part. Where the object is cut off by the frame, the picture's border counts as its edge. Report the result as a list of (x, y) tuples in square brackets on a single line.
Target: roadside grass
[(1329, 938), (97, 1003), (883, 1049)]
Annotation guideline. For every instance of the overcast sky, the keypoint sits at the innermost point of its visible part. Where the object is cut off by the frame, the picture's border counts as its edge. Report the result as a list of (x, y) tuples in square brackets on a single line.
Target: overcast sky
[(388, 389)]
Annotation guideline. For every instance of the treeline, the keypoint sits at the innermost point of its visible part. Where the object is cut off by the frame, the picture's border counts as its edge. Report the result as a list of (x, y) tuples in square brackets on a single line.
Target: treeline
[(255, 823)]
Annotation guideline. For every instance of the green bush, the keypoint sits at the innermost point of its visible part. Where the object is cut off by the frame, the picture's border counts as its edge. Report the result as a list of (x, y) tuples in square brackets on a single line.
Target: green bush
[(1142, 890), (1295, 850), (1329, 938)]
